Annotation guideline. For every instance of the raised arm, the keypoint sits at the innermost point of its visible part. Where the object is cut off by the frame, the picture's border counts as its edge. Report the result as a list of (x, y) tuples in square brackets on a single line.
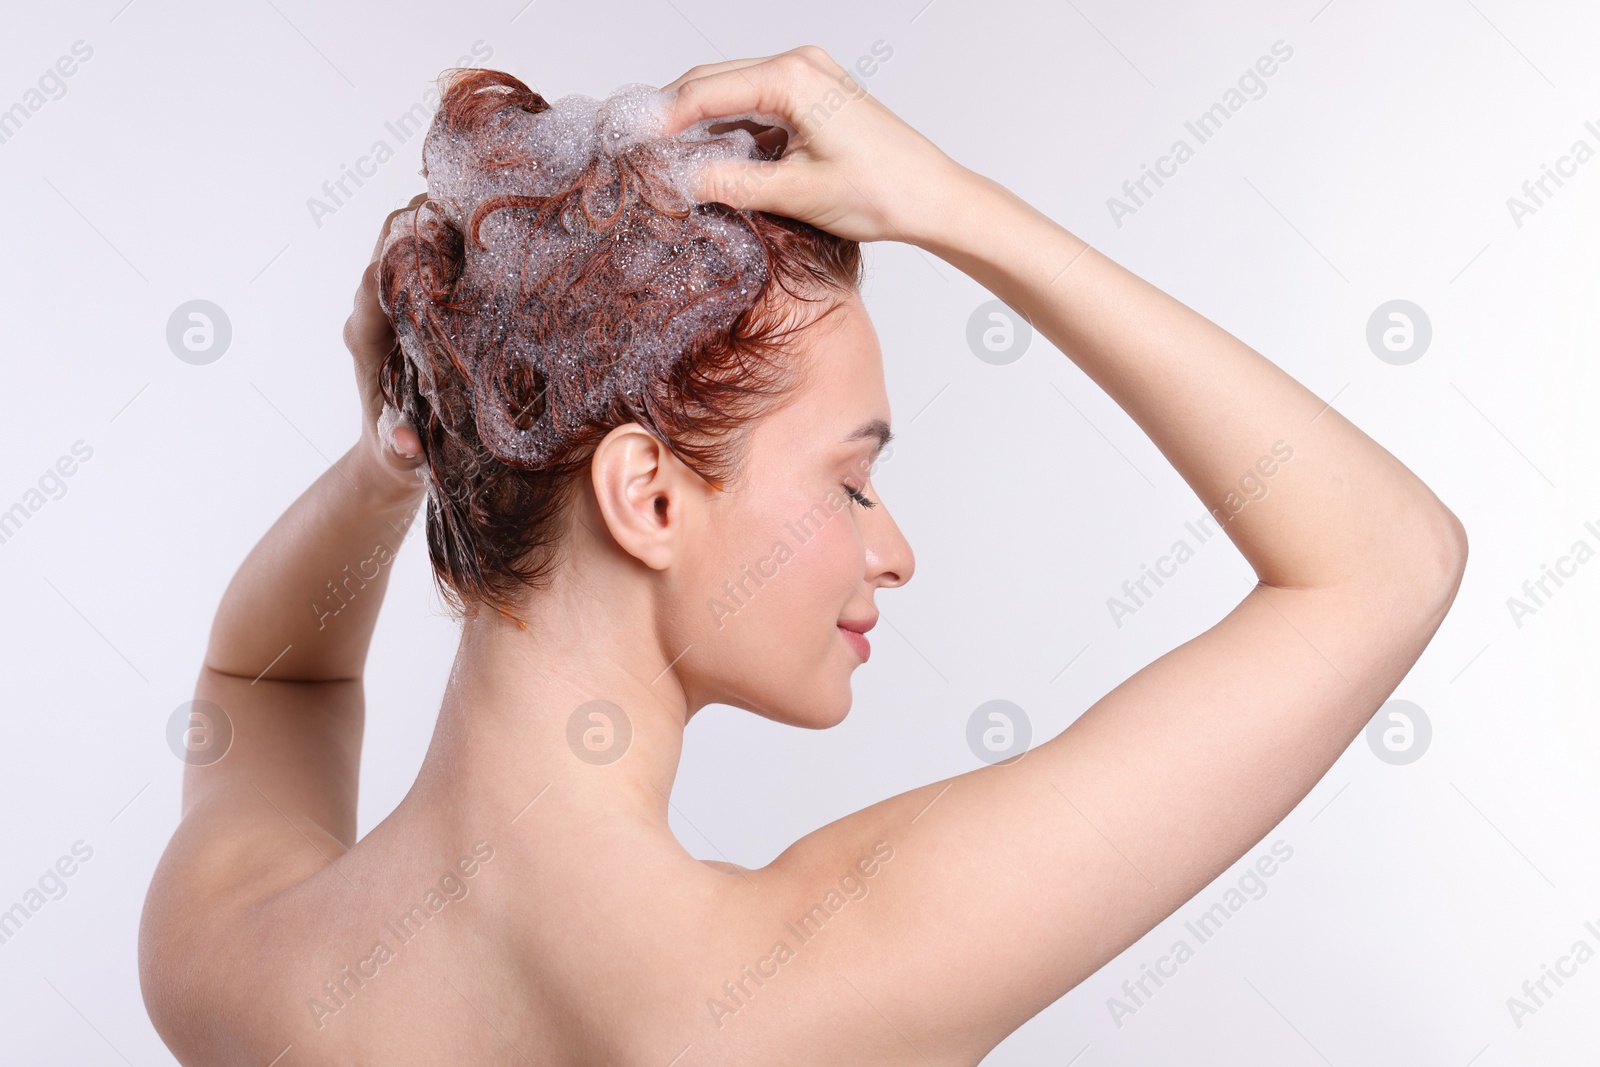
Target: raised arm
[(303, 603), (284, 665), (1344, 513), (1012, 883)]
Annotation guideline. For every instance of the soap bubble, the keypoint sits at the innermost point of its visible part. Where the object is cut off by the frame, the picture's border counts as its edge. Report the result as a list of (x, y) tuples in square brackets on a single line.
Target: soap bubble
[(561, 268)]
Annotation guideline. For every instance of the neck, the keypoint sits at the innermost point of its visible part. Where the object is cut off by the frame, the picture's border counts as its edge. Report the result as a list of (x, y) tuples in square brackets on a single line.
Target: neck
[(547, 710)]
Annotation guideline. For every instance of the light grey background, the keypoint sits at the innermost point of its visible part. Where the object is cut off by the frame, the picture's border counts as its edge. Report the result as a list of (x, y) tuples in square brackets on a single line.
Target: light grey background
[(1377, 165)]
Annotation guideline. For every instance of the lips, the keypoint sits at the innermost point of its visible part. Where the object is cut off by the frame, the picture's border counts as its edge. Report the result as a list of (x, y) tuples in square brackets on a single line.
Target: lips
[(854, 633), (857, 642)]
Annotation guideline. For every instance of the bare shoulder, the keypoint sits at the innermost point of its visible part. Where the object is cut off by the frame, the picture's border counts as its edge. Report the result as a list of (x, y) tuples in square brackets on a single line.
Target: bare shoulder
[(943, 918)]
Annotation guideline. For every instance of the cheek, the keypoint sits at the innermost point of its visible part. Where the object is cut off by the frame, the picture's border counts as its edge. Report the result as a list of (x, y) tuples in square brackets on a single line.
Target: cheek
[(823, 570), (828, 550), (783, 563)]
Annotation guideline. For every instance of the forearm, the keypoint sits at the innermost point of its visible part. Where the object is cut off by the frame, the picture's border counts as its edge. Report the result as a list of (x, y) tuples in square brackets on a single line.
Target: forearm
[(1342, 509), (306, 598)]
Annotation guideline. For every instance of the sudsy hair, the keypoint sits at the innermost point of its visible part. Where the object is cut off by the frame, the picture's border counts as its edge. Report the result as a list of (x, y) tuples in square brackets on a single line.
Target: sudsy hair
[(558, 282)]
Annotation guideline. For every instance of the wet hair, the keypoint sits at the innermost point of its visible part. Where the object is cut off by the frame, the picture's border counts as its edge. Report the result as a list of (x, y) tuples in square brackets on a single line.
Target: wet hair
[(573, 291)]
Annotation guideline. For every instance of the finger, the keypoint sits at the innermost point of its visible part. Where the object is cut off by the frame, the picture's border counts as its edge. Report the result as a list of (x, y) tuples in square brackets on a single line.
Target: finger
[(812, 52), (767, 87), (368, 327), (743, 186), (383, 234), (705, 69)]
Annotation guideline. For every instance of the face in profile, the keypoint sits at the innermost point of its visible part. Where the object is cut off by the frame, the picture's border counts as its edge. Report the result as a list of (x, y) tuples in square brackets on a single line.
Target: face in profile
[(791, 550)]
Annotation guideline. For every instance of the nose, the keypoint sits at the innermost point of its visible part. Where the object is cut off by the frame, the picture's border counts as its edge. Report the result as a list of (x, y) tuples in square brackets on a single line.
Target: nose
[(890, 561)]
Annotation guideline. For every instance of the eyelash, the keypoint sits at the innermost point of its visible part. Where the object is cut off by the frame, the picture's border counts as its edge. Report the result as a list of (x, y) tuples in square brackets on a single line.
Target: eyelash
[(855, 494)]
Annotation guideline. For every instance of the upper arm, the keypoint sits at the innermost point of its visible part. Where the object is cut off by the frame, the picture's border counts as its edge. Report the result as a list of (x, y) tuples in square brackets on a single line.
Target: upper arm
[(296, 745), (275, 809), (1010, 884)]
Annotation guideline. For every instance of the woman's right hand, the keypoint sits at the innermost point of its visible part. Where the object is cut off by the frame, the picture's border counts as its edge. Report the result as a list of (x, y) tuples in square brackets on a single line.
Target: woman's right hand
[(855, 168)]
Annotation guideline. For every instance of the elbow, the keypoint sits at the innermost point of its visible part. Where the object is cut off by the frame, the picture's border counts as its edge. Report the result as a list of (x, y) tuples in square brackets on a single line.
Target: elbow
[(1412, 578), (1443, 562), (1458, 550), (1457, 541)]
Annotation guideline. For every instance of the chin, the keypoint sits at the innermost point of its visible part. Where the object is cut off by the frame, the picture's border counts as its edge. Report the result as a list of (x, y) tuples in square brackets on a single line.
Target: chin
[(834, 711), (819, 716), (828, 721)]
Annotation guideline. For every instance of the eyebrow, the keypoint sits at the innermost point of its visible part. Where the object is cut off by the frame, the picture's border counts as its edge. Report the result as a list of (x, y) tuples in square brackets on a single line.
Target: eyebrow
[(873, 429)]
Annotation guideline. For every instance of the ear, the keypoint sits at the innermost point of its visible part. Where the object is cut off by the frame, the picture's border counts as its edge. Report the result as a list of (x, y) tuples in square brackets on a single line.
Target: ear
[(642, 490)]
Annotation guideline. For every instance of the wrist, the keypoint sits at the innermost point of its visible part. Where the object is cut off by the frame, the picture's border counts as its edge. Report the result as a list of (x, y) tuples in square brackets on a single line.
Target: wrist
[(959, 209), (997, 238), (382, 487)]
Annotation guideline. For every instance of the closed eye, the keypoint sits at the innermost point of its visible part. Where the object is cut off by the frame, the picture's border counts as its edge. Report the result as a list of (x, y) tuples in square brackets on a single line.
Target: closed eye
[(856, 495)]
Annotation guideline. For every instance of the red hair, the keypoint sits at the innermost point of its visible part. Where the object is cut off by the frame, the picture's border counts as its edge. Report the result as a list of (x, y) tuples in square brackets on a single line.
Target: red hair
[(495, 518)]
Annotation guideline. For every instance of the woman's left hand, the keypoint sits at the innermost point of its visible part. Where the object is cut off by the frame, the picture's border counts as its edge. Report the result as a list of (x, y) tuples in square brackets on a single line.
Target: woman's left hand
[(370, 338)]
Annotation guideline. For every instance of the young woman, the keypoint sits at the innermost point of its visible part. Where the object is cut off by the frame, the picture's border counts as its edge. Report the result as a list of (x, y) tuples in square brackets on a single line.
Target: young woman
[(527, 902)]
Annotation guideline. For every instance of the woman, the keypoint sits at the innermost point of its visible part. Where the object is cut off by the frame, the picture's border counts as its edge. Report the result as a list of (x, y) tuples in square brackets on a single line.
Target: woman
[(527, 902)]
